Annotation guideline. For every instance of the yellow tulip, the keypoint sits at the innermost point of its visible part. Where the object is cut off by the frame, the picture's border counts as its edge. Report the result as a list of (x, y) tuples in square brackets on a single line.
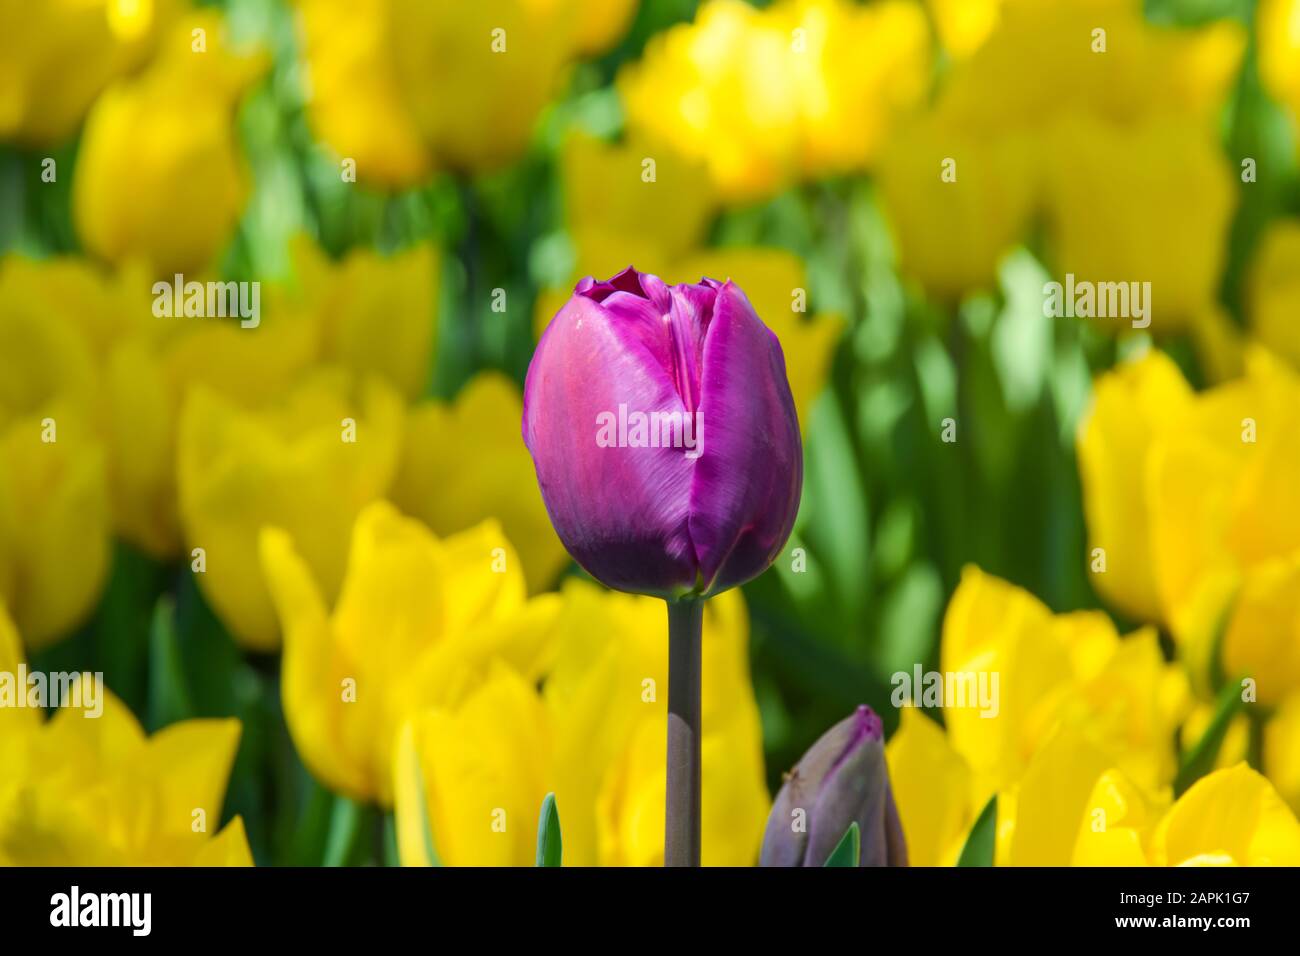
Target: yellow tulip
[(1274, 288), (616, 218), (597, 742), (106, 306), (1230, 817), (1066, 670), (1277, 25), (1117, 822), (308, 464), (1130, 405), (602, 23), (1171, 217), (965, 182), (376, 314), (1222, 540), (1199, 508), (963, 25), (951, 233), (97, 792), (449, 489), (799, 89), (1282, 750), (159, 175), (1144, 72), (56, 57), (1050, 798), (470, 779), (355, 102), (416, 624), (54, 510), (932, 787), (414, 86), (606, 693)]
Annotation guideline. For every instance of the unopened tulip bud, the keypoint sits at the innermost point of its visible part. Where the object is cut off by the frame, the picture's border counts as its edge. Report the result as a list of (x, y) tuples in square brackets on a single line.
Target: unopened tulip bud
[(841, 780)]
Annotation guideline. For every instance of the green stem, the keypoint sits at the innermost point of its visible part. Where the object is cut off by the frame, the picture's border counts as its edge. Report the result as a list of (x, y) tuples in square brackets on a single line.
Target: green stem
[(682, 810)]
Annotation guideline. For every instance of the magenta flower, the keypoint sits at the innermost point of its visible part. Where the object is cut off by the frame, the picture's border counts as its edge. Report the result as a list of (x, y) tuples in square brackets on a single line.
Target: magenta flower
[(664, 435)]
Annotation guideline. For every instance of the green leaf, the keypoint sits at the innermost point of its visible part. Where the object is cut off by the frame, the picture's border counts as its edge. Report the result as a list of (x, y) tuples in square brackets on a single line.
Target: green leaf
[(847, 851), (549, 845), (978, 850), (169, 698), (1199, 761), (345, 829)]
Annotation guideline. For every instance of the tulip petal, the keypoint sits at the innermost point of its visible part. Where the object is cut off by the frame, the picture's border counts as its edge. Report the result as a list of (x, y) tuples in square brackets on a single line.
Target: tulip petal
[(747, 481), (621, 511)]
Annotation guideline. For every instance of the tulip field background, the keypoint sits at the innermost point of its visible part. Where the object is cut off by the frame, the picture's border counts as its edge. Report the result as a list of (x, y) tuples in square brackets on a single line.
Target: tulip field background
[(1106, 516)]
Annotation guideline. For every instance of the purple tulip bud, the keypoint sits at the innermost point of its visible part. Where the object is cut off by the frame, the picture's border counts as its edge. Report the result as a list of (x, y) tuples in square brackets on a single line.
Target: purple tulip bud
[(665, 439), (841, 779)]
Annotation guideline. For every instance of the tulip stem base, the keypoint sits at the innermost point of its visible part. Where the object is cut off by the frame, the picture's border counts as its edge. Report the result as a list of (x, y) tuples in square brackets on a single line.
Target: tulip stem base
[(682, 812)]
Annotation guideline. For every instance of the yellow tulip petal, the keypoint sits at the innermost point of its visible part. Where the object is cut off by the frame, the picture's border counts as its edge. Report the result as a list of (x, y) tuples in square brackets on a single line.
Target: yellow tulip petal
[(931, 787), (1231, 816), (1131, 405), (449, 490)]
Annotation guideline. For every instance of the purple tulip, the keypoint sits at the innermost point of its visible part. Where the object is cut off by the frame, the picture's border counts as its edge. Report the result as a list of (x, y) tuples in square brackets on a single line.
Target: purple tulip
[(842, 779), (661, 425)]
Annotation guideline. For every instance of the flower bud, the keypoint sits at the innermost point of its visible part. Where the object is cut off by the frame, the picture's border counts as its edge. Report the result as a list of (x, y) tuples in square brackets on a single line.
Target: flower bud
[(664, 435), (841, 780)]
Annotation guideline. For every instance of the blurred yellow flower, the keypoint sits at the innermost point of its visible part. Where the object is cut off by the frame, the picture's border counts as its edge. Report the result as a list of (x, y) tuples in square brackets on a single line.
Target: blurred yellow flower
[(1193, 494), (617, 218), (1071, 670), (376, 314), (951, 233), (1129, 406), (1277, 24), (417, 621), (1073, 700), (602, 23), (142, 366), (963, 183), (597, 741), (1118, 210), (97, 792), (932, 787), (159, 174), (1072, 809), (54, 508), (307, 463), (607, 692), (413, 86), (1230, 817), (1282, 750), (1274, 288), (57, 56), (355, 103), (802, 88), (963, 25), (146, 380), (470, 778), (449, 490)]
